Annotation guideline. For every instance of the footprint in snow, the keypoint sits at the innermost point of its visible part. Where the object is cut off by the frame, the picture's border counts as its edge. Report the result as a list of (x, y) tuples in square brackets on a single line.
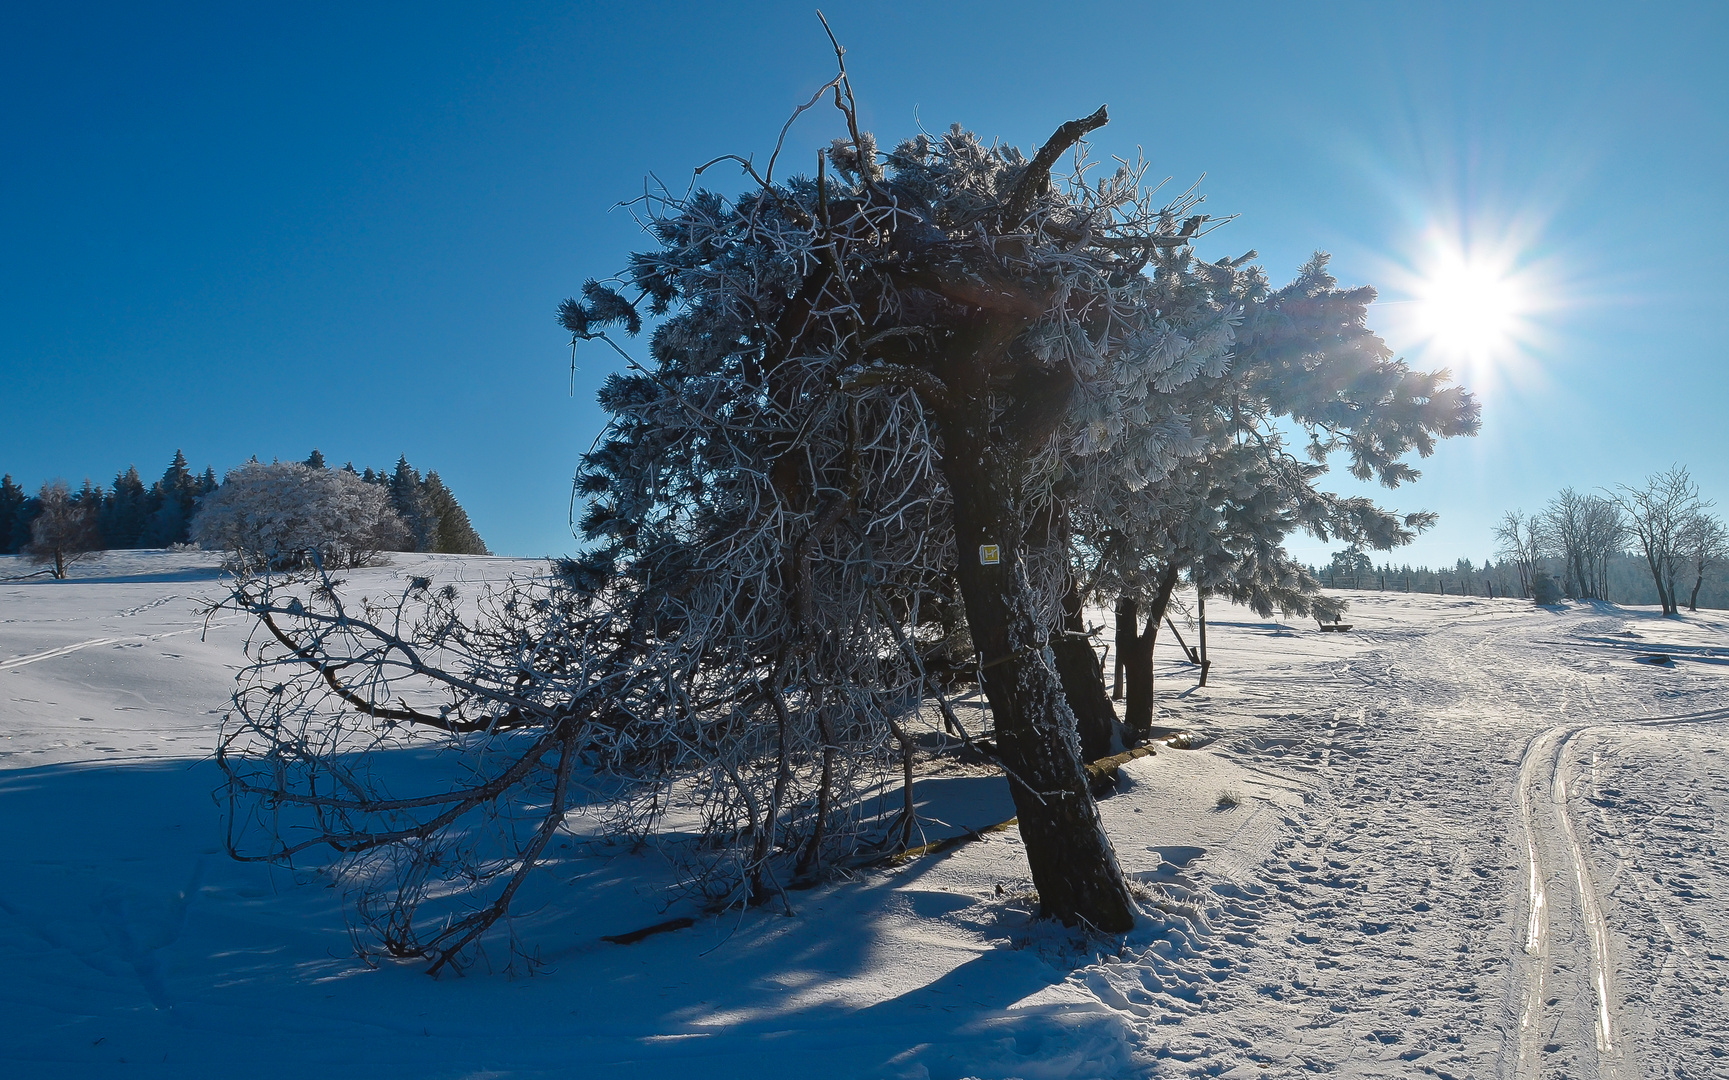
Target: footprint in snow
[(132, 932)]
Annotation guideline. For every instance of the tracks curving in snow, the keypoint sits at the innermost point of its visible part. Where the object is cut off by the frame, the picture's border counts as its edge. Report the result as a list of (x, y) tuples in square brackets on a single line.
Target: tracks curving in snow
[(1567, 975), (1558, 974), (1461, 893)]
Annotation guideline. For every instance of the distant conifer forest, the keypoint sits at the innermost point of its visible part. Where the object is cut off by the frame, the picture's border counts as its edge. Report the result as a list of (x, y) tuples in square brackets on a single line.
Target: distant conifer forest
[(132, 514)]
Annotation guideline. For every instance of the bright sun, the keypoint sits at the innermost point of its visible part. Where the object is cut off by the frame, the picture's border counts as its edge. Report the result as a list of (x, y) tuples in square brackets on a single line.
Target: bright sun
[(1469, 309)]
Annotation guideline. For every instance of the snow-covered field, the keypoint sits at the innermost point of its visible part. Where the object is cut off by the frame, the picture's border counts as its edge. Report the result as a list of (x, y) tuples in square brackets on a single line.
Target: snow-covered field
[(1467, 838)]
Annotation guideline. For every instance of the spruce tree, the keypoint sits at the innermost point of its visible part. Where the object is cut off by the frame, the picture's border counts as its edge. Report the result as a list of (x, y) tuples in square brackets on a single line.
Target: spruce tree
[(13, 527), (126, 511), (409, 500), (315, 459), (455, 533), (175, 496)]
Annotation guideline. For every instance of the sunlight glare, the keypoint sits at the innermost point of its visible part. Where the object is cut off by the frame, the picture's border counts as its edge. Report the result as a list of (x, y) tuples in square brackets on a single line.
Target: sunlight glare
[(1469, 308)]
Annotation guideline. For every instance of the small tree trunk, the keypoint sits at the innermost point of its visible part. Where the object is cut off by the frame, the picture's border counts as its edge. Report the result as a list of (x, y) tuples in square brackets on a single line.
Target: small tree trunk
[(812, 856), (1128, 614), (1201, 617), (1693, 599), (1656, 577), (1138, 661)]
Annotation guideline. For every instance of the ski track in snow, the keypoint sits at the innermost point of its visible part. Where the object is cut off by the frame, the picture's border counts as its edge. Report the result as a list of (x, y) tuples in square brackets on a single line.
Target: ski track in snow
[(67, 650), (1646, 797), (1455, 897)]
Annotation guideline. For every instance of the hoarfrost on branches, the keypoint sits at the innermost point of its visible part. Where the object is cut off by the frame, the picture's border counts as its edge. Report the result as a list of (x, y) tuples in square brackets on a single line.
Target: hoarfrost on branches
[(862, 379), (288, 514)]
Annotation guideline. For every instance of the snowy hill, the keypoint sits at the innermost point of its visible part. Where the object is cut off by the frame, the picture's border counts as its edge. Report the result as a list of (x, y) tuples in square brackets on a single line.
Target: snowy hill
[(1468, 838)]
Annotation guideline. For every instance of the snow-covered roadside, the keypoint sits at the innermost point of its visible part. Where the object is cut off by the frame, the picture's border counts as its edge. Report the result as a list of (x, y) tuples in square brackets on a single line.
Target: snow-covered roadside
[(1337, 882)]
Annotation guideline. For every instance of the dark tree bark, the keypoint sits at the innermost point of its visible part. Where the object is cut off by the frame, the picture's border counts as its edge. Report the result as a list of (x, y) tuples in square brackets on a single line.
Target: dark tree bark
[(1201, 616), (1657, 577), (1084, 683), (1073, 865), (1128, 612), (977, 309), (1138, 659)]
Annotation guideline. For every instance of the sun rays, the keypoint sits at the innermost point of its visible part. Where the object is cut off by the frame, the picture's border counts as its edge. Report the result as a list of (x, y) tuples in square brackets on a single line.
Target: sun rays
[(1470, 306)]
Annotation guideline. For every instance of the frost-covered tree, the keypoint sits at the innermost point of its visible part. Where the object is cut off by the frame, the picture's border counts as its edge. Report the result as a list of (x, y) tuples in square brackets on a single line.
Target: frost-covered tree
[(876, 399), (1079, 369), (871, 380), (285, 515), (65, 529), (1660, 513), (1585, 532), (1705, 544), (1301, 359), (1520, 539)]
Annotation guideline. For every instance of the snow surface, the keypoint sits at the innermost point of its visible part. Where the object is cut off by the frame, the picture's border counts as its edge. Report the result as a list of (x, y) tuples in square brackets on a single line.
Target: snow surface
[(1469, 838)]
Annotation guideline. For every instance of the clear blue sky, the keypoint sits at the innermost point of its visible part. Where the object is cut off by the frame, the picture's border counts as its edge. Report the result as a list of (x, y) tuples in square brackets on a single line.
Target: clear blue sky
[(250, 229)]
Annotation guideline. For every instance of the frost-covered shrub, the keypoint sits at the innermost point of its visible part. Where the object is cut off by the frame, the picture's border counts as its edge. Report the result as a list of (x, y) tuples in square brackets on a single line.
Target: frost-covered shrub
[(1544, 588), (64, 530), (284, 515)]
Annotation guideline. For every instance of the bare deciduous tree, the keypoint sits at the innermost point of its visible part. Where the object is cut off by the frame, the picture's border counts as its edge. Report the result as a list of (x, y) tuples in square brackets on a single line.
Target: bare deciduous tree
[(1584, 532), (1660, 513), (1705, 542), (65, 531), (1521, 540)]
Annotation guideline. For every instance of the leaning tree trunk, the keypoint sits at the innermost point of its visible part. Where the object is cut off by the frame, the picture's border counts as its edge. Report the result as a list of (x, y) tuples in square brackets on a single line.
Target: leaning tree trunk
[(1665, 596), (1073, 865), (1084, 682), (982, 304)]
